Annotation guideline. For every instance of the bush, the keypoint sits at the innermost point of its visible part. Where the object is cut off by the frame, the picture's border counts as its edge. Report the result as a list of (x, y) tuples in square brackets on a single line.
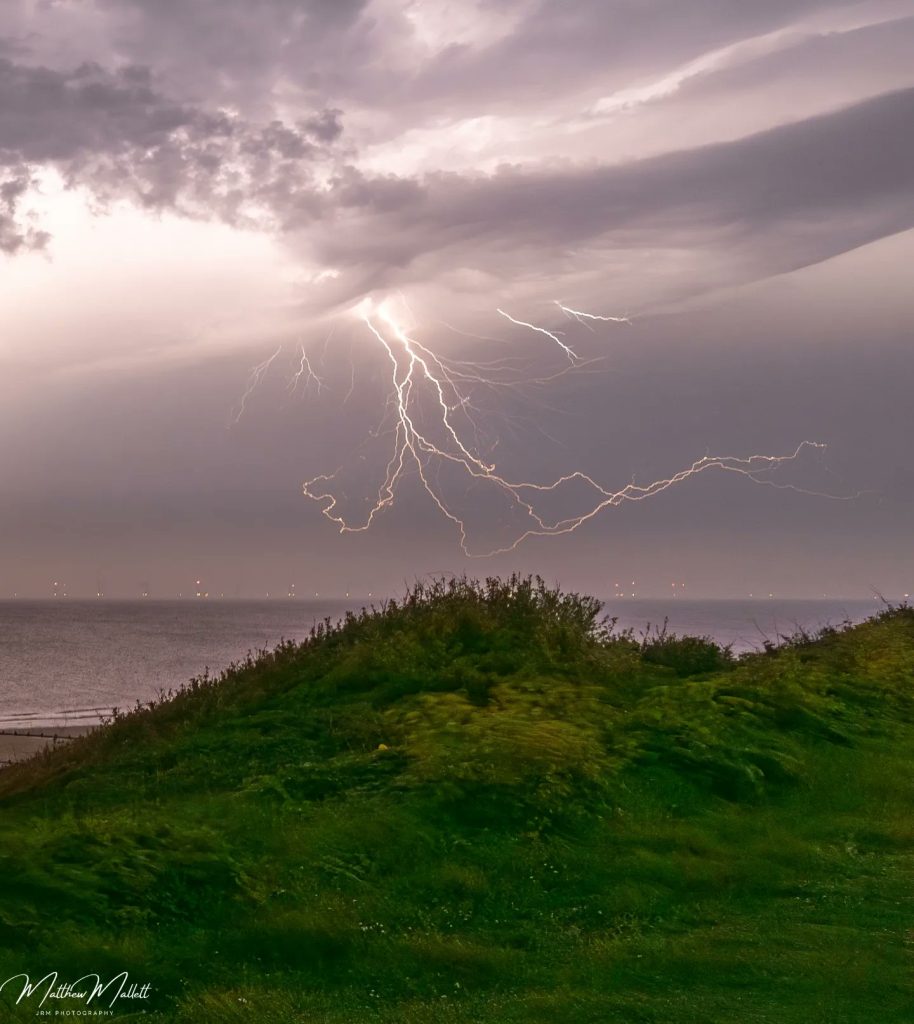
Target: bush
[(685, 655)]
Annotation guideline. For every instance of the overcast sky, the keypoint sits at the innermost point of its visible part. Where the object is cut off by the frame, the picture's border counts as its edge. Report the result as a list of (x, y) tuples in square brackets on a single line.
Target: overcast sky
[(200, 199)]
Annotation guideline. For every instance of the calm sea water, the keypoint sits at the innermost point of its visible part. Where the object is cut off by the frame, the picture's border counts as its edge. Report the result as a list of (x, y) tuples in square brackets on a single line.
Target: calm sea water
[(64, 661)]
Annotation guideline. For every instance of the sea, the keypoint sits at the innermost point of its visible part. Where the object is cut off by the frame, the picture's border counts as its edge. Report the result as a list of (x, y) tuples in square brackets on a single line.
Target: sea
[(70, 662)]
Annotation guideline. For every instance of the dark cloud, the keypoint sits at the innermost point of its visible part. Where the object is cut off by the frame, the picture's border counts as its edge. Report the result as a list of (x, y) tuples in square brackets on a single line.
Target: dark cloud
[(122, 132), (559, 46), (236, 51), (327, 126), (117, 134), (794, 195), (354, 51), (47, 115), (14, 235), (499, 153)]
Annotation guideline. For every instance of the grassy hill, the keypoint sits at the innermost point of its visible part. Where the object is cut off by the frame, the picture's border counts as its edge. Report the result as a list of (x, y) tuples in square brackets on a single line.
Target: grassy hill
[(481, 805)]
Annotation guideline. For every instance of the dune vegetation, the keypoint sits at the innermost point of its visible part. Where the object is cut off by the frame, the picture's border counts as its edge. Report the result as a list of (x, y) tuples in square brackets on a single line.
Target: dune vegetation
[(484, 804)]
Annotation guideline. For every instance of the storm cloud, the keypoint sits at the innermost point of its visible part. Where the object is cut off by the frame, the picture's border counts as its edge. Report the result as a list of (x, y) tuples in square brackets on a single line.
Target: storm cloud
[(188, 187), (831, 183), (115, 134)]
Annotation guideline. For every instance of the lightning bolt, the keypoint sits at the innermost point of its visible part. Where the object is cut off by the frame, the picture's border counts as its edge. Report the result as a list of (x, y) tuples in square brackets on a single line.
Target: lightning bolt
[(256, 376), (541, 330), (425, 386), (303, 368), (582, 317)]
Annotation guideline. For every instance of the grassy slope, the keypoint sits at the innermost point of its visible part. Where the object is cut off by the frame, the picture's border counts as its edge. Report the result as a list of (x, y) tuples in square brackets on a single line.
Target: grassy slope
[(562, 827)]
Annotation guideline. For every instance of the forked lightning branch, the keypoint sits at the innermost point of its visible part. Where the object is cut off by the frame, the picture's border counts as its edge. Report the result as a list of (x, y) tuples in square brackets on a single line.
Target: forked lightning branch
[(434, 428)]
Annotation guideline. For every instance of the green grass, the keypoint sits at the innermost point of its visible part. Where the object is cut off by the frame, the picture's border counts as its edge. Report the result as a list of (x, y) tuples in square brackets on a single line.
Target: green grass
[(482, 805)]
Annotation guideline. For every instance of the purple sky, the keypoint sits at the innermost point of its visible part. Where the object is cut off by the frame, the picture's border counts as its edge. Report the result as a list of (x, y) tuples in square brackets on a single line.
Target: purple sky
[(192, 190)]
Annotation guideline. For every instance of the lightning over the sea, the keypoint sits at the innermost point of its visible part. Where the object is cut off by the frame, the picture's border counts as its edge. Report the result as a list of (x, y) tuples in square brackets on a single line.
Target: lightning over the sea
[(434, 430)]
